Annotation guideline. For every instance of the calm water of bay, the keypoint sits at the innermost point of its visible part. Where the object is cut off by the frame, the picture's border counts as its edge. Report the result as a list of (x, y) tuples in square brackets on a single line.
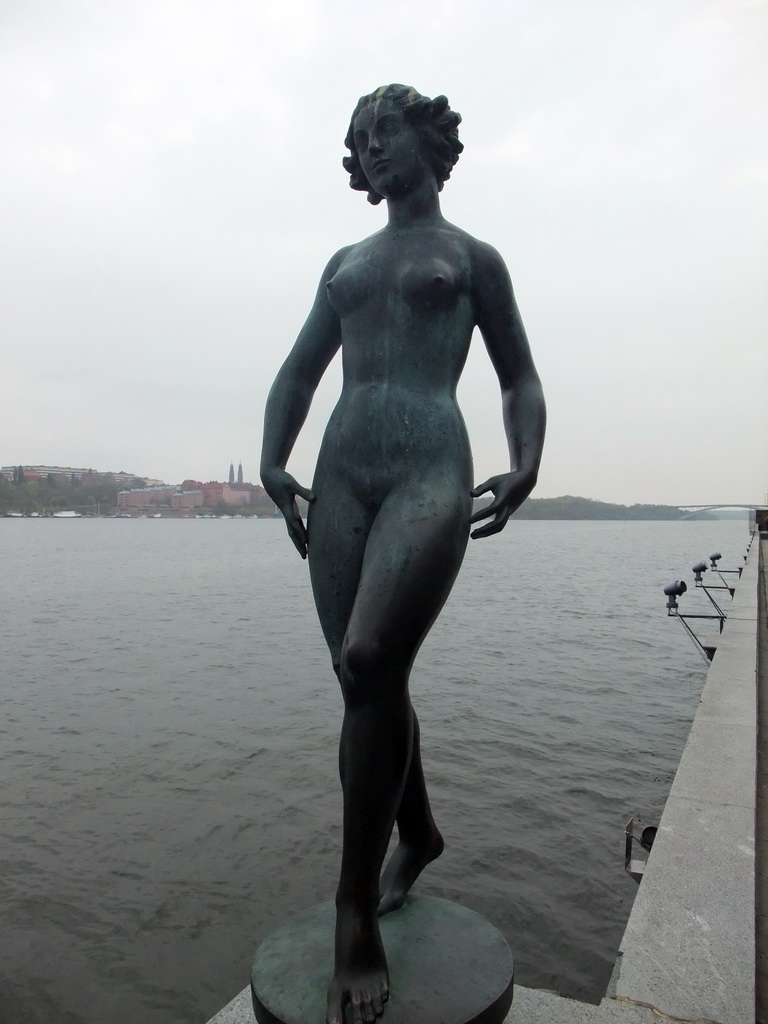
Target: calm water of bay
[(169, 736)]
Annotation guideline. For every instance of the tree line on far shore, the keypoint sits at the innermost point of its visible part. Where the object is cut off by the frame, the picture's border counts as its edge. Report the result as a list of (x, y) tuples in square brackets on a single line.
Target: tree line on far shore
[(57, 491), (570, 507)]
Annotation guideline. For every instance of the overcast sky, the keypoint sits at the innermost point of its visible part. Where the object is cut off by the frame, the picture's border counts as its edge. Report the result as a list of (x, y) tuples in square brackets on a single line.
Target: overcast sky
[(172, 188)]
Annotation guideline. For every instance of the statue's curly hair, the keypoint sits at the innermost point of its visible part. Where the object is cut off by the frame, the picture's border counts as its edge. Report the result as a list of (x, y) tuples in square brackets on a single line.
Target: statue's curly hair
[(437, 124)]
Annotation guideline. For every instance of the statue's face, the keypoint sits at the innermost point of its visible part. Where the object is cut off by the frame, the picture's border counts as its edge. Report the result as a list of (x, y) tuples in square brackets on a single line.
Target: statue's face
[(389, 149)]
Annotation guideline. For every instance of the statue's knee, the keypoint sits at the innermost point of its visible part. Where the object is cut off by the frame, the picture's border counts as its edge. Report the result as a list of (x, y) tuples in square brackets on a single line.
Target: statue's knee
[(362, 665), (372, 673), (361, 657)]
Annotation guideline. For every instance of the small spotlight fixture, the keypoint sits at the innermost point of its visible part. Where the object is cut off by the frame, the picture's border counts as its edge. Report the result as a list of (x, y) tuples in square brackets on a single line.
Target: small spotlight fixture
[(714, 559), (698, 570), (632, 865), (674, 590)]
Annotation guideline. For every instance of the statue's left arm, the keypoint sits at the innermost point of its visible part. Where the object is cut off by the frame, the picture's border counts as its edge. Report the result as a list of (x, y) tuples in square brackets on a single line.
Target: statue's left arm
[(522, 398)]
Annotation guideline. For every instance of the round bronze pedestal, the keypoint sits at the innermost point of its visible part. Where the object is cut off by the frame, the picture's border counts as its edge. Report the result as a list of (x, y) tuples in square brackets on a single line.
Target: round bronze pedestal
[(447, 965)]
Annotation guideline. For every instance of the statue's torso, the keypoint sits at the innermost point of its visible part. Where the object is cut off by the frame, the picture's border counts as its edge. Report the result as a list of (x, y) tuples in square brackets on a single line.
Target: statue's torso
[(405, 305)]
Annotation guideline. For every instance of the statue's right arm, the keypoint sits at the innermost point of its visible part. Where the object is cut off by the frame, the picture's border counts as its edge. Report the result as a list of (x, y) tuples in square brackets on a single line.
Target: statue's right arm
[(289, 400)]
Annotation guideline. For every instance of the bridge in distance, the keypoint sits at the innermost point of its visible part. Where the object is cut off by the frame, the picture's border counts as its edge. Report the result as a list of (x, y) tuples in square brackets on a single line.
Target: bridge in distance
[(693, 509)]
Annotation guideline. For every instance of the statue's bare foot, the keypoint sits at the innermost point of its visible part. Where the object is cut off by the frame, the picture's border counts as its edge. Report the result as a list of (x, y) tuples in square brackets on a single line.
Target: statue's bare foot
[(405, 866), (361, 981)]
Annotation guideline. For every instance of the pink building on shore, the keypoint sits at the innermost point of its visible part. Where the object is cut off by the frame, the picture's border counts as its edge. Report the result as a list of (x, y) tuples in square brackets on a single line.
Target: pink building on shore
[(192, 494), (140, 498), (234, 495), (187, 500)]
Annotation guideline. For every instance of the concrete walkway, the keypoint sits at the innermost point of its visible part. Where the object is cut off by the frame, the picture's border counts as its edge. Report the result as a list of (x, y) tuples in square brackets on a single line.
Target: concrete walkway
[(688, 952), (761, 890), (688, 949)]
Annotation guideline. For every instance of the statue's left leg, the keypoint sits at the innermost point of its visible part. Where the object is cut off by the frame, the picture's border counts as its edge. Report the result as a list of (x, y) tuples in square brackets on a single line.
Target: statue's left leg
[(419, 840)]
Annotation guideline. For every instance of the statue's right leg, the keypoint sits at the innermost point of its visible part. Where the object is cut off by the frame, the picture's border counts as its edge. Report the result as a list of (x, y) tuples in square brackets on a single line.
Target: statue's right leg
[(339, 530), (338, 527), (338, 533)]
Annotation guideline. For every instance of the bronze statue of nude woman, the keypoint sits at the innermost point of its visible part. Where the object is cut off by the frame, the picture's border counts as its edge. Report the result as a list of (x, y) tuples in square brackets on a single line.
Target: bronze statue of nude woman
[(391, 501)]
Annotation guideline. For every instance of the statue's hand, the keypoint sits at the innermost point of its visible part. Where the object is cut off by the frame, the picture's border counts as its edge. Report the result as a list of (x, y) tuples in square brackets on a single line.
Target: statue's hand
[(282, 489), (509, 492)]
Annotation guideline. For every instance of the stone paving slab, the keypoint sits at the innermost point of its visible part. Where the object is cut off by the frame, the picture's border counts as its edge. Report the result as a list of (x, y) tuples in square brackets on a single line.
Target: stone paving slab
[(735, 626), (744, 604), (719, 766), (531, 1006), (732, 701), (688, 949), (239, 1011)]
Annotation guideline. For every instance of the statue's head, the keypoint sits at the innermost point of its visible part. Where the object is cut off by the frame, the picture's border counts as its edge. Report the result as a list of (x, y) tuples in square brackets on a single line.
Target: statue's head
[(435, 123)]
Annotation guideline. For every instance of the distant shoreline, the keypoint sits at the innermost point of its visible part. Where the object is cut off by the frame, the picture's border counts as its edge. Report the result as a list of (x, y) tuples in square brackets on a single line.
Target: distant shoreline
[(97, 496), (570, 507)]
